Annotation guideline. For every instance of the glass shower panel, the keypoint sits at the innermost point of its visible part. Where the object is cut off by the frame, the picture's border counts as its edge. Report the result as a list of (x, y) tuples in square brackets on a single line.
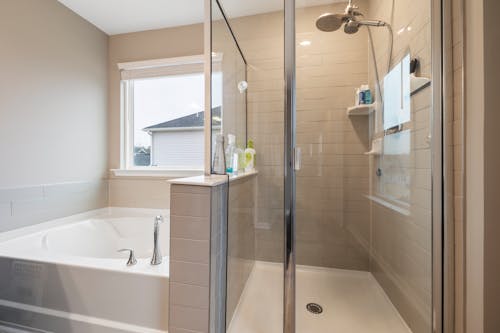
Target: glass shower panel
[(255, 201), (363, 209), (229, 85)]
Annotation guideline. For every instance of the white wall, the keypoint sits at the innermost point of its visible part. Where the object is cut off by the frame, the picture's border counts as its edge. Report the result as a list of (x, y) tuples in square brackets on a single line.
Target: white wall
[(53, 97)]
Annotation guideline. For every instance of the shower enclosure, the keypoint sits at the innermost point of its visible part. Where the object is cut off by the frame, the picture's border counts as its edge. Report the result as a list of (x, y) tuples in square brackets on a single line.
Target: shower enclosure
[(340, 229)]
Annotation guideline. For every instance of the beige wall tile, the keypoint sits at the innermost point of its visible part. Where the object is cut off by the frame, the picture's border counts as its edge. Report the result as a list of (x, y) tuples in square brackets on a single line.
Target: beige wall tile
[(188, 318), (139, 193), (190, 273), (188, 295), (189, 250), (193, 205), (197, 228)]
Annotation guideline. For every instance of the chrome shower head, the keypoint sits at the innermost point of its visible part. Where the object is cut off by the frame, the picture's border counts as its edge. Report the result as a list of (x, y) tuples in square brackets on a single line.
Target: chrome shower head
[(330, 22)]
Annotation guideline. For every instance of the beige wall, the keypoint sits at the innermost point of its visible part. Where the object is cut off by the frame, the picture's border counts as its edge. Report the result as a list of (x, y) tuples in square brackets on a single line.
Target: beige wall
[(52, 95), (491, 168), (474, 164), (401, 248), (53, 115), (151, 192)]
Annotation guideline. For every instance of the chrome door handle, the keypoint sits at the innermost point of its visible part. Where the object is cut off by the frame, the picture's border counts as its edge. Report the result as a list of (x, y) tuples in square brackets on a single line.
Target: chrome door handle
[(131, 258), (297, 158)]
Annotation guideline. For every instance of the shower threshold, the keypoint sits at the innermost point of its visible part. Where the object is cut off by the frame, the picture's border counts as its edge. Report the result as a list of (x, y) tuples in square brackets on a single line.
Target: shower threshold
[(351, 302)]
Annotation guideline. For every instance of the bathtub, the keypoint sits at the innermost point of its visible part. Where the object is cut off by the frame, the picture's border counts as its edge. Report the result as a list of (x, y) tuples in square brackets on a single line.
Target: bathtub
[(67, 275)]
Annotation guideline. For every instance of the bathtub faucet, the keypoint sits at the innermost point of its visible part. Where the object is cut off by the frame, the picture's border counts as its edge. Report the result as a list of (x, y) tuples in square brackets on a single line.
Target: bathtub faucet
[(156, 259)]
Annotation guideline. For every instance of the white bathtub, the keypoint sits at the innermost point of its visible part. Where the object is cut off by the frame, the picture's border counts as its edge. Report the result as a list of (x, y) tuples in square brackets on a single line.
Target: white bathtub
[(73, 273), (92, 239)]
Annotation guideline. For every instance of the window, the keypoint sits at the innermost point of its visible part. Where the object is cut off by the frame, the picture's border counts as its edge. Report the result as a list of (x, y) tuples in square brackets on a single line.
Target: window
[(163, 114)]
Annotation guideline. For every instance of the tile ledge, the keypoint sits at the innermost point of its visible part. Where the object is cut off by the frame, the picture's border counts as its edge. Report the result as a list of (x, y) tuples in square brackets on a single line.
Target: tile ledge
[(211, 180), (381, 201)]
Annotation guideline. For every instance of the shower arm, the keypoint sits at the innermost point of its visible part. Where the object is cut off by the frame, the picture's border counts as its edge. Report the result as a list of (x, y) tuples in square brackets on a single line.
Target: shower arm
[(372, 23)]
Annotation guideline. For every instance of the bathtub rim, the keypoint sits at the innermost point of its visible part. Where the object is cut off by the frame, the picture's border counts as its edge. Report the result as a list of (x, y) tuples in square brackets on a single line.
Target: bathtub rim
[(37, 231)]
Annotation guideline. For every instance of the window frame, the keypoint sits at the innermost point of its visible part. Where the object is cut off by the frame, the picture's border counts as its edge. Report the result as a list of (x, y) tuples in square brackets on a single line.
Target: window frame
[(130, 71)]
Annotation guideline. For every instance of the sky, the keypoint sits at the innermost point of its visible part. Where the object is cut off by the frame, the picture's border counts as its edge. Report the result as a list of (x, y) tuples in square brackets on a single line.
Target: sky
[(157, 100)]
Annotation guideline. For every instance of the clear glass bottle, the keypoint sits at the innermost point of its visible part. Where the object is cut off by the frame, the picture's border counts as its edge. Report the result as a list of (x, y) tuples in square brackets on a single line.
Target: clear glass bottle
[(231, 147), (219, 163)]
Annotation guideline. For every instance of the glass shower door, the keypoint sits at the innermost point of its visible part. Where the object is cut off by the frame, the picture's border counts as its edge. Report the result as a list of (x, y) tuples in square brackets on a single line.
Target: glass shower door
[(363, 226), (340, 107)]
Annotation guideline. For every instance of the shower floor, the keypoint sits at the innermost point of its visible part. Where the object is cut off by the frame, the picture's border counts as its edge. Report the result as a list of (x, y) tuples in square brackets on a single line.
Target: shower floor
[(352, 301)]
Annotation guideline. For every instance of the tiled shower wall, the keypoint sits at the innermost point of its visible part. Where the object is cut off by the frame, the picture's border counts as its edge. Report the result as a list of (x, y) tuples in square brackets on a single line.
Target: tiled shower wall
[(240, 238), (401, 252), (261, 39), (332, 213)]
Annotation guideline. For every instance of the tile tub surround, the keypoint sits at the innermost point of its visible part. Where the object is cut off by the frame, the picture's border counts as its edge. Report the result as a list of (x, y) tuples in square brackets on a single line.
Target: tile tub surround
[(199, 254), (41, 284), (25, 206), (190, 257)]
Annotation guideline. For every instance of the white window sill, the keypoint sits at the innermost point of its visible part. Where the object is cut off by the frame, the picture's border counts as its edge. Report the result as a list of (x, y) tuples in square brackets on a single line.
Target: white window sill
[(155, 173)]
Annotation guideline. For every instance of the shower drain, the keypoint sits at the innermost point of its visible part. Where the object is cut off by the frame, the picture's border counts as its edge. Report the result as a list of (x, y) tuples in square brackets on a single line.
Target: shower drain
[(314, 308)]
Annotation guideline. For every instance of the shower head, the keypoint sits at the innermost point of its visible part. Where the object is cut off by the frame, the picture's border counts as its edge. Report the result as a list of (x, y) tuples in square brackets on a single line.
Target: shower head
[(330, 22)]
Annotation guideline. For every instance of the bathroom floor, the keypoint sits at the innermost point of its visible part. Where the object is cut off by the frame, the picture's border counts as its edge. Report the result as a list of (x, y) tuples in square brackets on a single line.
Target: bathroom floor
[(352, 302)]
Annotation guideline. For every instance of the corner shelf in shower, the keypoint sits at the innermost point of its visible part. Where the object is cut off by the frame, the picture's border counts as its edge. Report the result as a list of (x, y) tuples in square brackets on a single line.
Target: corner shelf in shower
[(361, 110)]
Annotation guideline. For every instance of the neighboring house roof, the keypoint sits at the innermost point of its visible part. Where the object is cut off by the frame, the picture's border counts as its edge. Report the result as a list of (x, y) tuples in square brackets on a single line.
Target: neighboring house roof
[(192, 121)]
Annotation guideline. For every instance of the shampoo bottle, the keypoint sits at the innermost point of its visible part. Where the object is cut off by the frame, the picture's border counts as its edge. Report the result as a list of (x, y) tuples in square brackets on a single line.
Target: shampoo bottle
[(250, 157), (367, 94), (238, 158)]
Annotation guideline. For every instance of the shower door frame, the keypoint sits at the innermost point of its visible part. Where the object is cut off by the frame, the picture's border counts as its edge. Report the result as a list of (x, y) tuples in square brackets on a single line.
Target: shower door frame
[(437, 170)]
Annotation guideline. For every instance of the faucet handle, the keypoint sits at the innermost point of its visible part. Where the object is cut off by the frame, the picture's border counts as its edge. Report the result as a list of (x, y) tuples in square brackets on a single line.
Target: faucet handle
[(158, 219), (131, 258)]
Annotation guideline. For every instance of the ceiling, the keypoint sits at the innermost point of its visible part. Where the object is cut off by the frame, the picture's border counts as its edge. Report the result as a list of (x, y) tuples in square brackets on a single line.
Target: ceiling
[(122, 16)]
